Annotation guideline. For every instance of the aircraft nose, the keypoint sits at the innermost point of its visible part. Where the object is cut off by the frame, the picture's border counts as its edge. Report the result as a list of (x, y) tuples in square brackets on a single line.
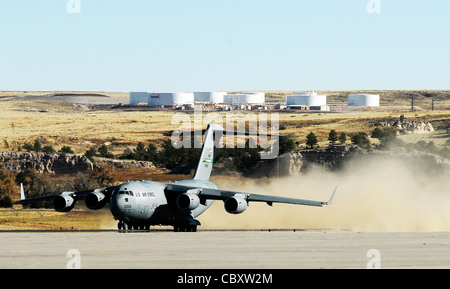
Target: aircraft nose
[(118, 204)]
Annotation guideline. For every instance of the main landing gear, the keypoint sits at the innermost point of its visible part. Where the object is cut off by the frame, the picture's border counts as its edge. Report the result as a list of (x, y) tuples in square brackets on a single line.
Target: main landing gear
[(122, 226), (186, 225), (187, 228)]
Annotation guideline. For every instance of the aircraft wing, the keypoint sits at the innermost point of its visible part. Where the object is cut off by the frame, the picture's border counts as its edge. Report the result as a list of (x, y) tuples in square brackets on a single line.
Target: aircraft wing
[(222, 195), (65, 201), (217, 194), (25, 201), (75, 195)]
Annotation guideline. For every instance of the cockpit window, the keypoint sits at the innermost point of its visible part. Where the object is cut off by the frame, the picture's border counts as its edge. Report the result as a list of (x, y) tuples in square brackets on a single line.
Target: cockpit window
[(130, 193)]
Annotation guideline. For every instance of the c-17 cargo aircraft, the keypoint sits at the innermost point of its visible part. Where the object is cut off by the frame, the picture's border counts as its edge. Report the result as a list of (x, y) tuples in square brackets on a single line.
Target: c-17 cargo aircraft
[(138, 205)]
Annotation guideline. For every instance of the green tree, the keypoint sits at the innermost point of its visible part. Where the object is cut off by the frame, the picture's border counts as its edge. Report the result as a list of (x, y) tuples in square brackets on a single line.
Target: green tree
[(342, 138), (311, 139), (332, 136), (37, 147), (7, 188), (139, 151), (378, 133), (287, 144), (91, 153), (104, 153), (28, 146), (151, 153), (387, 137)]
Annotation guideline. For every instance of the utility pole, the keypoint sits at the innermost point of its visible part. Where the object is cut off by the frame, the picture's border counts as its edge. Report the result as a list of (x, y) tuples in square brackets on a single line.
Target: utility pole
[(432, 103), (412, 103)]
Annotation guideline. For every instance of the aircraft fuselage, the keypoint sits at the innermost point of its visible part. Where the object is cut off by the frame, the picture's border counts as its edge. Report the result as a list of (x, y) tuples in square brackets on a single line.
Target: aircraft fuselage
[(140, 204)]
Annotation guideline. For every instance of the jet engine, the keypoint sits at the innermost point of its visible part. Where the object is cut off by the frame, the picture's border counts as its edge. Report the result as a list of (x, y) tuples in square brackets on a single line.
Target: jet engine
[(63, 203), (235, 205), (188, 201), (95, 201)]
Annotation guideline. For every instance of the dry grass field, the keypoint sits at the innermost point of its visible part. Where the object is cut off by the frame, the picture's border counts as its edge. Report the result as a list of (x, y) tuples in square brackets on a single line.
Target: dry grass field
[(60, 123), (41, 219)]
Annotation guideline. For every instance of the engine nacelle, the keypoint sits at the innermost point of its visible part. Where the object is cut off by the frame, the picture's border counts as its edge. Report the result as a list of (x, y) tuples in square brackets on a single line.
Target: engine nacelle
[(95, 201), (63, 203), (235, 205), (188, 201)]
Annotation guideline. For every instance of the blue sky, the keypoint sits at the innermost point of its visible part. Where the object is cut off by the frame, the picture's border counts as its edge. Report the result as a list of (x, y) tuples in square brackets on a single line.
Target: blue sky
[(202, 45)]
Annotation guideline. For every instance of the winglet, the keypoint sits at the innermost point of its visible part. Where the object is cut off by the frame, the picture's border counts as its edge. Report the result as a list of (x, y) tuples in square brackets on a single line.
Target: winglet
[(22, 193), (331, 198)]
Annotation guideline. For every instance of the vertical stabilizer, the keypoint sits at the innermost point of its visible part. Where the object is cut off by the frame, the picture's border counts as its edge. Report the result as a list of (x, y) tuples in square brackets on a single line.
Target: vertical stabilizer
[(206, 160)]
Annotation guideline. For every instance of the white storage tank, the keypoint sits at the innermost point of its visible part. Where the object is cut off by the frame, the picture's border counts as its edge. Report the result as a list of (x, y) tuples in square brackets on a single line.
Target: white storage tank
[(210, 96), (245, 97), (137, 98), (363, 100), (170, 98), (306, 99)]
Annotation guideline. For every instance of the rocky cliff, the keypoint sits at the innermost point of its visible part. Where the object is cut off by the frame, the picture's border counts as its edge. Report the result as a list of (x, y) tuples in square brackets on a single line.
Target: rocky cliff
[(57, 163), (61, 163), (409, 126)]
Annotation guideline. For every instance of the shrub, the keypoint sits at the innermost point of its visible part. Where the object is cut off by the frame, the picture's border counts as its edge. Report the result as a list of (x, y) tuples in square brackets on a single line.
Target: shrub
[(66, 149), (48, 149), (361, 140)]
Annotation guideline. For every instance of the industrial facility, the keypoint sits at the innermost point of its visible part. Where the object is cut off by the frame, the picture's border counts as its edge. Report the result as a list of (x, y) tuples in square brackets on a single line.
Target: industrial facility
[(245, 98), (224, 101), (209, 96), (307, 101), (138, 98), (177, 99), (170, 99), (162, 99), (363, 100)]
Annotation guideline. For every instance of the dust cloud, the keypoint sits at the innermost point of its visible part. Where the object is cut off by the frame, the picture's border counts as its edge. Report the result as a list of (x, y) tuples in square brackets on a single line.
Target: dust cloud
[(375, 194)]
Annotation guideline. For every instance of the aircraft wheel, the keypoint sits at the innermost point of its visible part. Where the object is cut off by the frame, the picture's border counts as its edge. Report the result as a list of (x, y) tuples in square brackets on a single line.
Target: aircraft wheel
[(188, 228), (121, 226), (192, 228), (179, 228)]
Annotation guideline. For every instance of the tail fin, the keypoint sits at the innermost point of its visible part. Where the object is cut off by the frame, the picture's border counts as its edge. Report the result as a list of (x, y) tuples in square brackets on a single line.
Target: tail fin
[(22, 193), (206, 160)]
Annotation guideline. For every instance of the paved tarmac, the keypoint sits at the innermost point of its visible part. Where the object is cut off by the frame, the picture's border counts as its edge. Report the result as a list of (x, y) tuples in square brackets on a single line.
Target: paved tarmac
[(224, 250)]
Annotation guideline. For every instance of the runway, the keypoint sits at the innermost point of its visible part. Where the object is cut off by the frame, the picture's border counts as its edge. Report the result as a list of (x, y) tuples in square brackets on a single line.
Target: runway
[(224, 250)]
